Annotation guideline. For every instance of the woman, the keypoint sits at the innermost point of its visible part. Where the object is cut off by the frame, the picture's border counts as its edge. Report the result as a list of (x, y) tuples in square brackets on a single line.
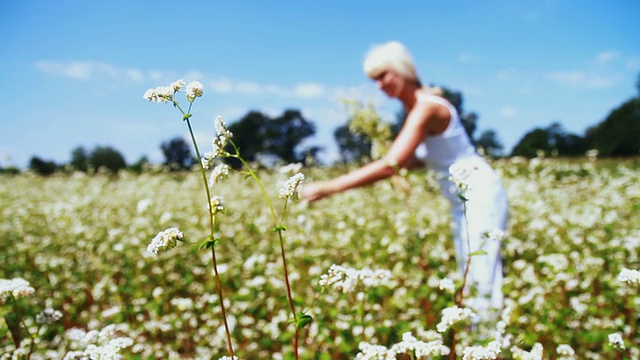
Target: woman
[(433, 124)]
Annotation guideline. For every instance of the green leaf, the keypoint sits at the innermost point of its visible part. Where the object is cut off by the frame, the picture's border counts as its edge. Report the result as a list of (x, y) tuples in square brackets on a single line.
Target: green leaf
[(303, 320), (280, 228), (208, 244)]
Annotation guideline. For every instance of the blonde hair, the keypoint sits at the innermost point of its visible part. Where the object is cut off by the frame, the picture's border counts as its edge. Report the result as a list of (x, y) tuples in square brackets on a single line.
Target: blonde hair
[(390, 56)]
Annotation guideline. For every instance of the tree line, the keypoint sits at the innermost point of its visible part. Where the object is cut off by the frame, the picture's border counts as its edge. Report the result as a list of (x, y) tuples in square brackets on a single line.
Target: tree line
[(273, 140)]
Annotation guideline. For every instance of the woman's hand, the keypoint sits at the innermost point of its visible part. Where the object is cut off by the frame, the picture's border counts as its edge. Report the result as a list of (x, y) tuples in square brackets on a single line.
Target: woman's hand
[(315, 191)]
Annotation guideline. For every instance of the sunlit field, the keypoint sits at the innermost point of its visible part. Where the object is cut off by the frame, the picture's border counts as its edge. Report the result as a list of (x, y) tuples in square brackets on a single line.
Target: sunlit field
[(81, 243)]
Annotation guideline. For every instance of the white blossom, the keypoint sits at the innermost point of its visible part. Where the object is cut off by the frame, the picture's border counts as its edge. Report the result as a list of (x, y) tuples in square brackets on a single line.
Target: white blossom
[(631, 277), (290, 187), (447, 285), (165, 240), (16, 287), (217, 204), (220, 172), (615, 340), (453, 315), (491, 351), (177, 85), (194, 90)]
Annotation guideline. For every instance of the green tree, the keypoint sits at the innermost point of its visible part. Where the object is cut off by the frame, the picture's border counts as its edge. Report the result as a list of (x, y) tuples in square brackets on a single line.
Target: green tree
[(619, 133), (552, 140), (42, 167), (352, 147), (489, 143), (107, 158), (278, 139), (177, 154), (79, 159)]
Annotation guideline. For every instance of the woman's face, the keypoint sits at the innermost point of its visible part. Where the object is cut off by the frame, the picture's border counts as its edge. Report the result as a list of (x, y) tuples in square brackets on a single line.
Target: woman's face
[(390, 82)]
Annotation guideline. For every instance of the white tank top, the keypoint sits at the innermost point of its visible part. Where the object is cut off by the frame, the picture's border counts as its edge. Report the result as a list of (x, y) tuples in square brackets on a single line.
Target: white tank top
[(443, 150)]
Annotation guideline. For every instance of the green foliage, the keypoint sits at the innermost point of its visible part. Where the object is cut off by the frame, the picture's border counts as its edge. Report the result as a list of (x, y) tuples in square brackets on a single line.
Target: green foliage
[(177, 154), (42, 167), (619, 133), (107, 158), (273, 140)]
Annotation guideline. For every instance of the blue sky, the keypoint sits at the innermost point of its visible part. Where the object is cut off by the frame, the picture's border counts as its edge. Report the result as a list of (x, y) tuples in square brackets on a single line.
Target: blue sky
[(72, 73)]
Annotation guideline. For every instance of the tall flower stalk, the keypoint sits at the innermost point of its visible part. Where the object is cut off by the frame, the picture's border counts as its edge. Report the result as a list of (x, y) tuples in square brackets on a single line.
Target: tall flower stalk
[(223, 146), (194, 90)]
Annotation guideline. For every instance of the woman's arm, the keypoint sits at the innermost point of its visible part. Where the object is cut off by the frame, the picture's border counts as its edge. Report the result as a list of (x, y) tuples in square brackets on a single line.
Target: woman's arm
[(401, 152)]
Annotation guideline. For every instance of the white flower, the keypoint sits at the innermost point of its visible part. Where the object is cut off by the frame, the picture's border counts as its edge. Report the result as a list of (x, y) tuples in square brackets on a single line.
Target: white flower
[(373, 352), (217, 204), (16, 287), (631, 277), (220, 140), (410, 344), (447, 285), (159, 94), (177, 85), (165, 240), (221, 128), (534, 354), (194, 90), (453, 315), (495, 235), (491, 351), (290, 187), (616, 341), (229, 358), (346, 279), (565, 351), (218, 173), (48, 316)]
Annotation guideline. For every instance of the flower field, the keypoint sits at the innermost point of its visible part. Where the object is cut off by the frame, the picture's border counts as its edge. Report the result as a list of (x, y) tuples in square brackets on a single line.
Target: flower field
[(81, 243)]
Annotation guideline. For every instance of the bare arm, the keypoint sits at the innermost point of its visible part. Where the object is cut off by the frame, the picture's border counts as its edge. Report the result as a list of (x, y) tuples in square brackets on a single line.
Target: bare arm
[(399, 155)]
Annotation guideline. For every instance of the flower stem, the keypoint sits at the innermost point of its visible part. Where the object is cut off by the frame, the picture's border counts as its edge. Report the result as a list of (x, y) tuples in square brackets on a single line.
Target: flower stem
[(211, 236)]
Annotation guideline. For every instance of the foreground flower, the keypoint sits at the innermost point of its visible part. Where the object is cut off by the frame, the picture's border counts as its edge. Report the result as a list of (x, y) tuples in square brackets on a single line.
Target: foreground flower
[(194, 90), (218, 173), (453, 315), (16, 287), (631, 277), (565, 351), (160, 94), (103, 344), (290, 187), (217, 204), (165, 240), (447, 285)]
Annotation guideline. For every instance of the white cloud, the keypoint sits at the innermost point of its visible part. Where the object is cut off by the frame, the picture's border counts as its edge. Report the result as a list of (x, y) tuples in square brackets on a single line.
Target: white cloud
[(467, 58), (606, 57), (85, 70), (582, 79), (309, 90), (508, 112)]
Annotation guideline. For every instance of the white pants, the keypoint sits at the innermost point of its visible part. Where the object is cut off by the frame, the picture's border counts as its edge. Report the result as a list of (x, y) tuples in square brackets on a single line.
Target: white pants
[(486, 211)]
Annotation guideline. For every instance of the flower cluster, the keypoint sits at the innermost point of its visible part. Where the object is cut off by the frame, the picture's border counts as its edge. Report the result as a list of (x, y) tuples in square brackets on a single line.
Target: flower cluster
[(491, 351), (535, 353), (346, 279), (408, 346), (96, 344), (453, 315), (220, 172), (631, 277), (165, 240), (447, 285), (290, 188), (218, 144), (16, 287), (217, 204)]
